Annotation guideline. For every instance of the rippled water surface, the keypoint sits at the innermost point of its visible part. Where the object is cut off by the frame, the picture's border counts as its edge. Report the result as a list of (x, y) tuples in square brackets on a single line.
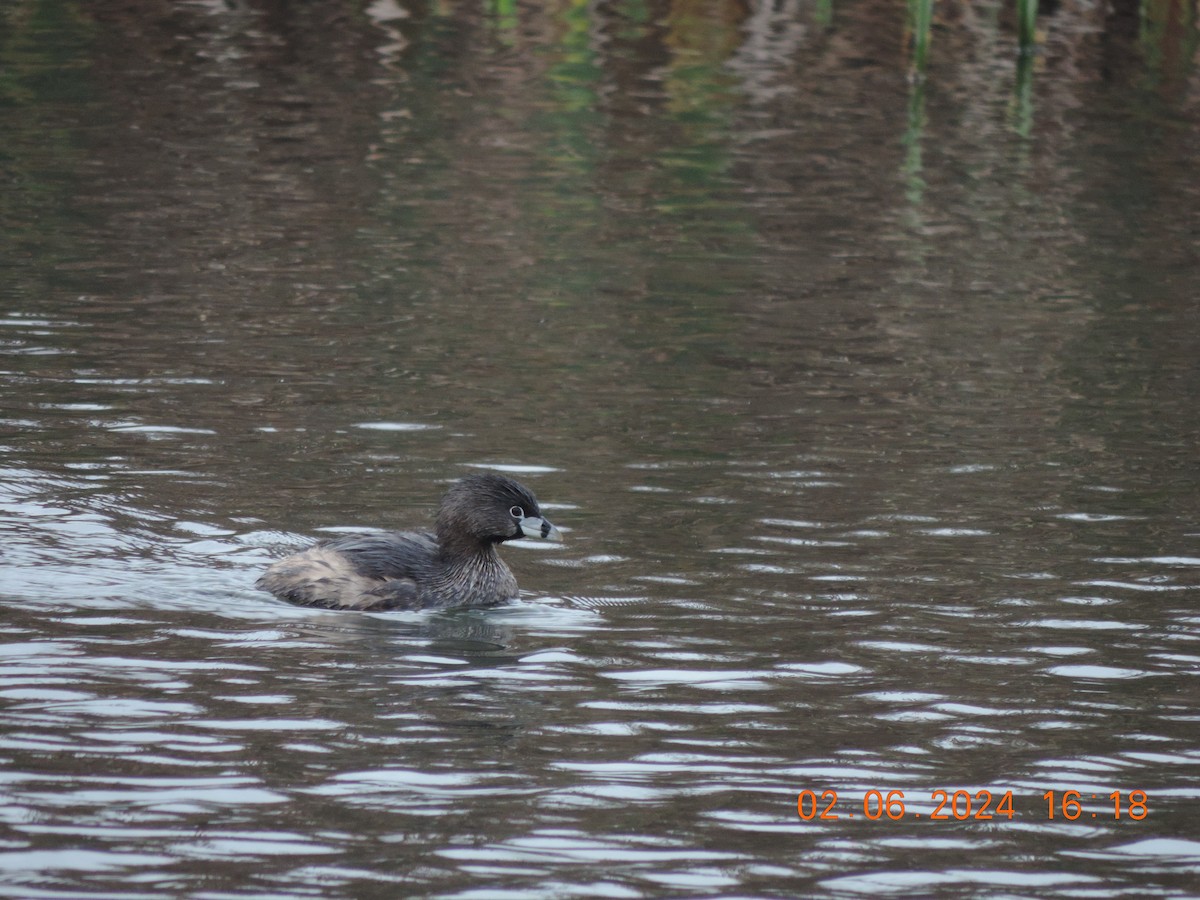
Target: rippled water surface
[(867, 404)]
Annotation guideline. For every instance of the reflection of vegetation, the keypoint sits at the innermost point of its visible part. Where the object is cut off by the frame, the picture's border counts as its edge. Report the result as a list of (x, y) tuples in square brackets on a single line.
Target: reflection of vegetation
[(1168, 37), (675, 163), (699, 90), (702, 35), (823, 13), (1021, 114), (693, 157), (1027, 24), (914, 182), (573, 81), (44, 60), (43, 45), (638, 14), (665, 181), (912, 172), (920, 19), (504, 12)]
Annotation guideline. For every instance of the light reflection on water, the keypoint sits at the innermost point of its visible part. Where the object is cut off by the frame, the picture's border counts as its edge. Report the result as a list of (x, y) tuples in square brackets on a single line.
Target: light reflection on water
[(876, 466), (179, 721)]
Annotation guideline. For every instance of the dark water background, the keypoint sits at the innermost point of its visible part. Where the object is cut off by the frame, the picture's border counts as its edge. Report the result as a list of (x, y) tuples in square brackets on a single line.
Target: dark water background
[(868, 405)]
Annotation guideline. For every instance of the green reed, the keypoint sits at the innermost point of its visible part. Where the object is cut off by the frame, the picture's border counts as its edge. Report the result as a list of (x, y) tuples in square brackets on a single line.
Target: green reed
[(1026, 24), (920, 18)]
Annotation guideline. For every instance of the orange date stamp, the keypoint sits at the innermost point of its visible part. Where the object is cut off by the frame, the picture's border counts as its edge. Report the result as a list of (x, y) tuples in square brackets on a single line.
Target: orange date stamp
[(963, 805)]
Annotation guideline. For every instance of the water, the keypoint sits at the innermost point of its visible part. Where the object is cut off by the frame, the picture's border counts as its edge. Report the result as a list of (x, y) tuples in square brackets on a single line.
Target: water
[(867, 406)]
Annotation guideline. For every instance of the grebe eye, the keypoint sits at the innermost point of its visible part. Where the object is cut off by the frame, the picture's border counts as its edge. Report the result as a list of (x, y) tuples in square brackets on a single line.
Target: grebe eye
[(517, 513)]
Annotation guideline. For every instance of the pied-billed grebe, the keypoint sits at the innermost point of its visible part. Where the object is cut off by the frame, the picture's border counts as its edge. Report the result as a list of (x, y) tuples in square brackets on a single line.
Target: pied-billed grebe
[(457, 565)]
